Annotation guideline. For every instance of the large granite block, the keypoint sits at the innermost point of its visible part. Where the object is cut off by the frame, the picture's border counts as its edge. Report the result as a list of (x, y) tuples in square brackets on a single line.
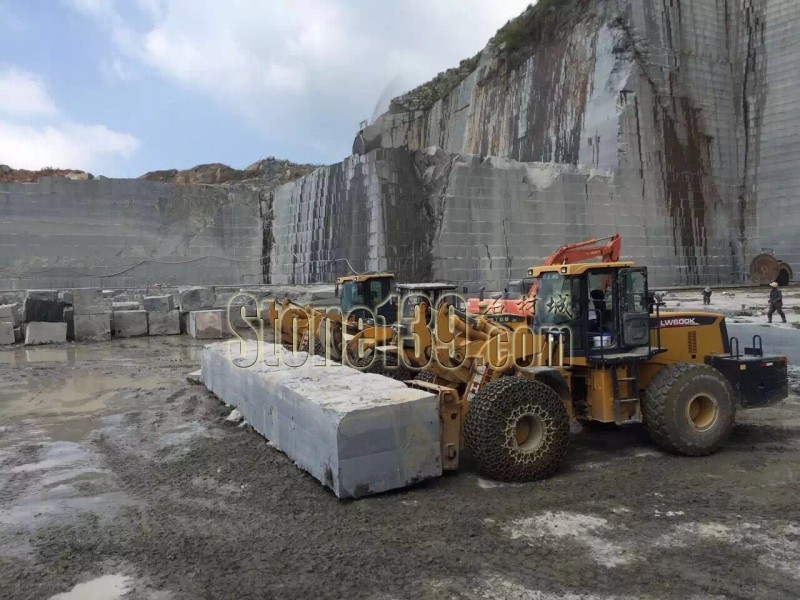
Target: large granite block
[(9, 313), (159, 303), (7, 336), (43, 306), (90, 301), (164, 323), (356, 433), (209, 325), (130, 323), (197, 298), (93, 328), (37, 332)]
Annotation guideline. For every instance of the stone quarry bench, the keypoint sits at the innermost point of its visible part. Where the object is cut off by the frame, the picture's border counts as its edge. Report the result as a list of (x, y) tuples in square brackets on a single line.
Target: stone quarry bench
[(357, 433)]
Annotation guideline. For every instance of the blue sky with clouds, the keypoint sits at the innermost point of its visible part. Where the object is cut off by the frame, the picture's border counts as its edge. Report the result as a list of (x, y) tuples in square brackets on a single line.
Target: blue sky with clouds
[(121, 87)]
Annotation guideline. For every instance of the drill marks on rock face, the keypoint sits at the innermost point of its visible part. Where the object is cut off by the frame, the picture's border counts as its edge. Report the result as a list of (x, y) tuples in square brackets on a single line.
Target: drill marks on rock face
[(774, 544)]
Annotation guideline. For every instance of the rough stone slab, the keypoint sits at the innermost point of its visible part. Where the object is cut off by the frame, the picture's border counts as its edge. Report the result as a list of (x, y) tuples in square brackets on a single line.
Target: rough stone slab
[(356, 433), (164, 323), (37, 332), (7, 336), (90, 301), (197, 298), (93, 328), (130, 323), (43, 306), (127, 305), (208, 325), (9, 313), (159, 303)]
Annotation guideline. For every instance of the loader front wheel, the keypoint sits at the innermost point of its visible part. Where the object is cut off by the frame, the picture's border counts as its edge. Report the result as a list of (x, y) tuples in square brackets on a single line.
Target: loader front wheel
[(516, 429), (689, 409)]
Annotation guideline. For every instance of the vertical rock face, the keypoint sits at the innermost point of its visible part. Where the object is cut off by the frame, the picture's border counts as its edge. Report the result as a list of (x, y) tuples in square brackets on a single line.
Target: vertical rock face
[(58, 233), (669, 122)]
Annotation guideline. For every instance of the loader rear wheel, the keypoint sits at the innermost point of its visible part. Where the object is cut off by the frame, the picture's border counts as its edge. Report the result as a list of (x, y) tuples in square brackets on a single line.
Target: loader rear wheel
[(516, 429), (689, 409)]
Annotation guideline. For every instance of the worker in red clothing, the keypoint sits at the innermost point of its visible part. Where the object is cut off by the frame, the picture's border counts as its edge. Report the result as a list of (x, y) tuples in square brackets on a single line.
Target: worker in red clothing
[(775, 302)]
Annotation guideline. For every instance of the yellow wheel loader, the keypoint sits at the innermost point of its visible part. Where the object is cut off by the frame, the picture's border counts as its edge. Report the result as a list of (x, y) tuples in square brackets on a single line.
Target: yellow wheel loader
[(597, 349)]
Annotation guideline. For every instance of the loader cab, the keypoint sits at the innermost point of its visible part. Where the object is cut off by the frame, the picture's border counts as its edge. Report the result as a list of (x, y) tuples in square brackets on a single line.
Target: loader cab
[(360, 294), (428, 296), (600, 309)]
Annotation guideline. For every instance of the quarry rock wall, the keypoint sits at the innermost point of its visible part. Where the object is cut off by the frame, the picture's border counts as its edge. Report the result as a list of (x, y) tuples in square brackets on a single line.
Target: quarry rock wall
[(672, 122), (58, 233), (681, 115)]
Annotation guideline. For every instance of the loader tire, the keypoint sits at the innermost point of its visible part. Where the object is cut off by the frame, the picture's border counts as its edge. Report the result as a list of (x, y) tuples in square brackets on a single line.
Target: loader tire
[(319, 349), (516, 429), (689, 409), (335, 343), (390, 368), (425, 376)]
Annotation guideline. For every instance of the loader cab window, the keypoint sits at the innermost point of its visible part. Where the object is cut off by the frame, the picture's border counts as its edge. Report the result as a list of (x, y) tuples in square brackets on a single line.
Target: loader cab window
[(600, 283), (365, 293), (557, 300), (352, 295), (412, 300)]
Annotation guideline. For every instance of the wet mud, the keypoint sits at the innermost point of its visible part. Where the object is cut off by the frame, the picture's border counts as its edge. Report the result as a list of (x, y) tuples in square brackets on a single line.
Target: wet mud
[(119, 477)]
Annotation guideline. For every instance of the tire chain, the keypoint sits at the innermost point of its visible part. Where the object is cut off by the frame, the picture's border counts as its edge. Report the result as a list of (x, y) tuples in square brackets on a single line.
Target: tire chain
[(489, 429)]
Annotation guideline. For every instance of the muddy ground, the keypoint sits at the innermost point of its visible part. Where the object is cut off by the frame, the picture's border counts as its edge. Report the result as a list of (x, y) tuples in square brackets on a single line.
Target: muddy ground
[(120, 479)]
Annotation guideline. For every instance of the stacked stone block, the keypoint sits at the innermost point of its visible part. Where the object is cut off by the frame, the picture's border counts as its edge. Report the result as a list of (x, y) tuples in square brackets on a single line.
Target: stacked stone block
[(9, 323), (92, 315), (162, 316)]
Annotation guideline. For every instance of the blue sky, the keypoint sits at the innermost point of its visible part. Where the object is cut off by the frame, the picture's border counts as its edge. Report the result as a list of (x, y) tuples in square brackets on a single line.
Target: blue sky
[(121, 87)]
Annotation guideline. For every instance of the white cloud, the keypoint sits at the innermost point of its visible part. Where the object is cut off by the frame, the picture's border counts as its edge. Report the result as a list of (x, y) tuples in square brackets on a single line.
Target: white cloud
[(300, 68), (66, 145), (34, 133), (24, 94)]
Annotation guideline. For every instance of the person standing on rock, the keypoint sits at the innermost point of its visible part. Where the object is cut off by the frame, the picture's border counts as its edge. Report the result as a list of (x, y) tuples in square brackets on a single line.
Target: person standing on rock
[(775, 302)]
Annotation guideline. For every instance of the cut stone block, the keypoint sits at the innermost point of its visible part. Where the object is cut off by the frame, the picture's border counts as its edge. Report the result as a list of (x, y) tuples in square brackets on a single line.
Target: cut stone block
[(164, 323), (356, 433), (93, 328), (159, 303), (37, 332), (115, 306), (69, 319), (90, 301), (7, 336), (43, 306), (197, 298), (209, 325), (9, 313), (130, 323)]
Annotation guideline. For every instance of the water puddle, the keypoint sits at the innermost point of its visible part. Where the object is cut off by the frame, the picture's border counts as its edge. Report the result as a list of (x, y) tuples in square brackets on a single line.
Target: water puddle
[(75, 392), (107, 587)]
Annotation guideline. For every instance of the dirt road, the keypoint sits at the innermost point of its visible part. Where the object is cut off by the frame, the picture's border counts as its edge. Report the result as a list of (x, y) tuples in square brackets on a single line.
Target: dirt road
[(120, 479)]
